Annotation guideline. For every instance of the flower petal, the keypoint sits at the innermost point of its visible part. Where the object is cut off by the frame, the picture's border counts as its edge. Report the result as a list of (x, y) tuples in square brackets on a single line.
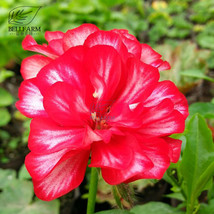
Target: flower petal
[(161, 65), (148, 55), (53, 35), (158, 112), (164, 66), (107, 38), (31, 45), (77, 36), (131, 43), (66, 176), (125, 33), (103, 62), (151, 57), (140, 163), (157, 150), (66, 68), (65, 105), (105, 135), (31, 66), (173, 123), (31, 100), (121, 115), (57, 46), (167, 89), (47, 137), (115, 154), (174, 148), (39, 166), (141, 81)]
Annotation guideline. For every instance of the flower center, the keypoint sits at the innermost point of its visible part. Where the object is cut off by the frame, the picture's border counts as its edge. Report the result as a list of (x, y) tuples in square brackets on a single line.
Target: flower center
[(99, 122)]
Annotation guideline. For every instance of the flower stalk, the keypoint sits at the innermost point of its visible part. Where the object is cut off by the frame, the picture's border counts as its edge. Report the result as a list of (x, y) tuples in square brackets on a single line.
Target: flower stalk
[(92, 191)]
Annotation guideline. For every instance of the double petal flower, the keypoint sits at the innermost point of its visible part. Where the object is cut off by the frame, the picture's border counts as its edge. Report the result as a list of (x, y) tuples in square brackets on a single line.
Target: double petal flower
[(96, 94)]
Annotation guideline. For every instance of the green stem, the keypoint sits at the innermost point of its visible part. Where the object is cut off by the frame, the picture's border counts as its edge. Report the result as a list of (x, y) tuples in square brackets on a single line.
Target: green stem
[(92, 191)]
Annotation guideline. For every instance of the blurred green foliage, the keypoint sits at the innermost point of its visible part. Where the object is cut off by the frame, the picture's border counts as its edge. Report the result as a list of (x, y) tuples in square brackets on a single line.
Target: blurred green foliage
[(188, 64), (16, 195), (150, 21)]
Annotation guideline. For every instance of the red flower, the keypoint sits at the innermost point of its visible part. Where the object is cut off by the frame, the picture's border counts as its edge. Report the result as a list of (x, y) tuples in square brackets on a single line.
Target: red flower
[(97, 93)]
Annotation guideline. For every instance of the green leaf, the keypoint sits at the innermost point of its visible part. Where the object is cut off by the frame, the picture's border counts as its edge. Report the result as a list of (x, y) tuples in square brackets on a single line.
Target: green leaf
[(176, 195), (4, 135), (198, 157), (155, 208), (42, 207), (205, 41), (6, 177), (23, 173), (207, 208), (16, 197), (202, 11), (210, 60), (4, 74), (115, 212), (197, 73), (14, 142), (4, 117), (204, 109), (6, 98), (178, 33), (117, 197)]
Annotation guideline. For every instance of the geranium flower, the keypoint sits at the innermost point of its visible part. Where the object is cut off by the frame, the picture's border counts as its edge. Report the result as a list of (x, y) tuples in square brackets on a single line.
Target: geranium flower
[(97, 94)]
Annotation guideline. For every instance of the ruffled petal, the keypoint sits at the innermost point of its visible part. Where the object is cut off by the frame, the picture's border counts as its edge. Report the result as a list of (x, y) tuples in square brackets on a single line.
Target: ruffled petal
[(57, 46), (141, 81), (131, 43), (105, 135), (115, 154), (107, 38), (125, 33), (66, 176), (140, 163), (47, 137), (158, 112), (31, 100), (31, 66), (77, 36), (65, 105), (148, 55), (151, 57), (174, 148), (157, 150), (39, 166), (161, 65), (31, 45), (164, 66), (66, 68), (103, 63), (167, 89), (53, 35), (121, 115), (172, 123)]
